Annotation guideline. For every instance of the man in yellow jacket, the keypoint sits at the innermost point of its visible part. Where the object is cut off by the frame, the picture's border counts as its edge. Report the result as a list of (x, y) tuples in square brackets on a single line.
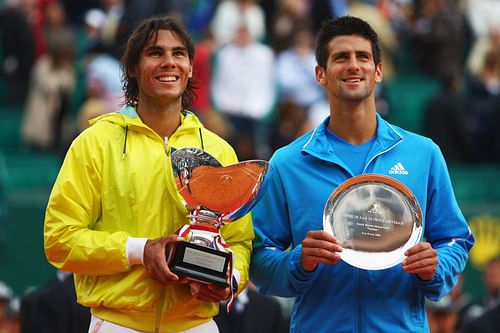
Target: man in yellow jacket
[(115, 206)]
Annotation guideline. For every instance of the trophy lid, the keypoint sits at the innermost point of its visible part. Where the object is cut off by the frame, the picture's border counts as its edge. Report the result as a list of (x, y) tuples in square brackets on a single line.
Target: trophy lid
[(375, 218), (228, 191)]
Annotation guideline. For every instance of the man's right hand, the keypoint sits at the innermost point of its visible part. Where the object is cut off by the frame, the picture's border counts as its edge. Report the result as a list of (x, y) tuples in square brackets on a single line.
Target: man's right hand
[(155, 260), (319, 247)]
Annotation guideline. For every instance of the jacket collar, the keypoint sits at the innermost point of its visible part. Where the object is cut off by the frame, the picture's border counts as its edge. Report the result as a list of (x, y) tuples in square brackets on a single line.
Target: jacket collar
[(320, 147), (127, 117)]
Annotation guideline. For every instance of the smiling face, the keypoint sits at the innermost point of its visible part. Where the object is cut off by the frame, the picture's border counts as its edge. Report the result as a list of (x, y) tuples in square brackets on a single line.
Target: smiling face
[(350, 73), (164, 69)]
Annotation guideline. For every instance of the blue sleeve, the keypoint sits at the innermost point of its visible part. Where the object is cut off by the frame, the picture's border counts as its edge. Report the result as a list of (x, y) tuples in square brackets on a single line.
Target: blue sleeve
[(446, 229), (276, 267)]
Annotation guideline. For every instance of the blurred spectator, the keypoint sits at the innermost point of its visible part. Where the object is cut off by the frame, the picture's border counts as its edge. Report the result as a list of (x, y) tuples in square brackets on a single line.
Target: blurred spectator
[(202, 76), (289, 16), (483, 44), (9, 310), (244, 91), (112, 27), (439, 35), (53, 308), (482, 15), (252, 313), (489, 321), (445, 120), (75, 9), (483, 108), (291, 122), (296, 71), (51, 86), (449, 313), (202, 72), (322, 10), (492, 283), (229, 16), (103, 87), (18, 51)]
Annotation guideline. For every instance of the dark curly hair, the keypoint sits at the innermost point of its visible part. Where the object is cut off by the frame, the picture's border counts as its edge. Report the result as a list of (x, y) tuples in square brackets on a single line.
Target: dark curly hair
[(342, 26), (145, 32)]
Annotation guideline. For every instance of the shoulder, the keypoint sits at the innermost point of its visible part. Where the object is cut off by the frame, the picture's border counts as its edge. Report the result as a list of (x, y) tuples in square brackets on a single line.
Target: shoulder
[(414, 139)]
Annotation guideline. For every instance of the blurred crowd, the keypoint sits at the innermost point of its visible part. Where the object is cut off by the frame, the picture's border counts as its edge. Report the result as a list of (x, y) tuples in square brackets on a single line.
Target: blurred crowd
[(254, 66), (254, 69)]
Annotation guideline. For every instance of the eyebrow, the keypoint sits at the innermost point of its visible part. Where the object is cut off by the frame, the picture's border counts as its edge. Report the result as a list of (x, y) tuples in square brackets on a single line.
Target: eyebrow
[(357, 53), (155, 47)]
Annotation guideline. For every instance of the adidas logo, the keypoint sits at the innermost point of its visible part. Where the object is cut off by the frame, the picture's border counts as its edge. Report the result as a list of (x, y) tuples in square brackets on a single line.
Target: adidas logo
[(398, 169)]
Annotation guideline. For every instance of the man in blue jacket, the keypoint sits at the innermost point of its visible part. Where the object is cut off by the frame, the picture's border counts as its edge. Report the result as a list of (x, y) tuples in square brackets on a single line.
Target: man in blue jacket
[(294, 257)]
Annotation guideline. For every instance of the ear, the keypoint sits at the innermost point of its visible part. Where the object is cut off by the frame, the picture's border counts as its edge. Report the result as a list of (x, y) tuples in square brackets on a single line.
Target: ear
[(378, 73), (320, 75), (190, 75)]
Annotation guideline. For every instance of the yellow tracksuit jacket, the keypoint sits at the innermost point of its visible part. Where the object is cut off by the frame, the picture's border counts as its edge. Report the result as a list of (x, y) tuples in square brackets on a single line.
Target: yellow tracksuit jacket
[(117, 181)]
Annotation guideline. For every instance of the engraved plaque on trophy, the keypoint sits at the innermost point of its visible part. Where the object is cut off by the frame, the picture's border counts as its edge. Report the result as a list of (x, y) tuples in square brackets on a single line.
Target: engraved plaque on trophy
[(375, 218), (214, 195)]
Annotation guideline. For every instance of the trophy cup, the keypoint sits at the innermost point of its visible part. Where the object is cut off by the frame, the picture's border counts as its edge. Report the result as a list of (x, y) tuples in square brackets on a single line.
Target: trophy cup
[(214, 195), (375, 218)]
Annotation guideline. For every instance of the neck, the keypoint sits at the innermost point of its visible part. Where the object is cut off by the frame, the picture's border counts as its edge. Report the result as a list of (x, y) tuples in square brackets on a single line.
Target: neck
[(355, 124), (163, 119)]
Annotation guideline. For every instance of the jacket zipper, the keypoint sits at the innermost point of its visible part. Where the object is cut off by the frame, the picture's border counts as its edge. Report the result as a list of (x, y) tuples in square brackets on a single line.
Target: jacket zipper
[(165, 145), (160, 310)]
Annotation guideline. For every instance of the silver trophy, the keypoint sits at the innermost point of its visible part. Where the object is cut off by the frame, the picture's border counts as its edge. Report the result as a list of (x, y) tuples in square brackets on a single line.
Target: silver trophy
[(375, 218), (214, 195)]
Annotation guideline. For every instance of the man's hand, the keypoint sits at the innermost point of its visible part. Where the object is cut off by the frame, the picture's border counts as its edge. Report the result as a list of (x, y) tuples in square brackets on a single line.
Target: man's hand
[(319, 247), (421, 259), (209, 292), (155, 260)]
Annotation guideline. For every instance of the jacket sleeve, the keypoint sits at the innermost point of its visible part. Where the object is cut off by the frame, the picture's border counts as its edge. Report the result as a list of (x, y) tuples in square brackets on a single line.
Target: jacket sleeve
[(276, 267), (74, 206), (446, 229)]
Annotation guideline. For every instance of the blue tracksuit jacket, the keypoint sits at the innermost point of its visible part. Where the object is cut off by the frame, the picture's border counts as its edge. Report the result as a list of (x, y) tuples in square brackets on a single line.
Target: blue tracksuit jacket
[(340, 297)]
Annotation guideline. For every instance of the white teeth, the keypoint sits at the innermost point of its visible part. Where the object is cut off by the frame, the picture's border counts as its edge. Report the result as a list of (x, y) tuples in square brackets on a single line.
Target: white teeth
[(354, 80), (167, 78)]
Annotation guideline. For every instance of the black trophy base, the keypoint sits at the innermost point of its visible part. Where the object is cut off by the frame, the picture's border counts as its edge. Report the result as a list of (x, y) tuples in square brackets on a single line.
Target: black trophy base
[(199, 263)]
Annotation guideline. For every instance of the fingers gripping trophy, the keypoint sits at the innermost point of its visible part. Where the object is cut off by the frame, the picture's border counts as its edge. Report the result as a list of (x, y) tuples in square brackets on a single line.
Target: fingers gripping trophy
[(214, 196)]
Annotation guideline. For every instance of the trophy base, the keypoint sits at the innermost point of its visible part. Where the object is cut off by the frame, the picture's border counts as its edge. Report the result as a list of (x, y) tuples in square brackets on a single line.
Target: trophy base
[(199, 263)]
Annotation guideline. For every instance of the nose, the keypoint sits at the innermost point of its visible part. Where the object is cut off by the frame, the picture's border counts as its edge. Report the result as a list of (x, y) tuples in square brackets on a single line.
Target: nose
[(168, 60), (353, 64)]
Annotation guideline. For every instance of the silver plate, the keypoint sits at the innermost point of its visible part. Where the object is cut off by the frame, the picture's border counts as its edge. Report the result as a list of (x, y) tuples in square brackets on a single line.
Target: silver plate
[(375, 218)]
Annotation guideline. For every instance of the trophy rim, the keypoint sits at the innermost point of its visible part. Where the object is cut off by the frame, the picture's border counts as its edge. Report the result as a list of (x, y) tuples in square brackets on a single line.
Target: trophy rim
[(371, 260)]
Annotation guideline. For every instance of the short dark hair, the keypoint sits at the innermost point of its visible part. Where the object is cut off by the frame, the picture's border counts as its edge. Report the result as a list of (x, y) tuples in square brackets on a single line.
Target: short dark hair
[(145, 32), (342, 26)]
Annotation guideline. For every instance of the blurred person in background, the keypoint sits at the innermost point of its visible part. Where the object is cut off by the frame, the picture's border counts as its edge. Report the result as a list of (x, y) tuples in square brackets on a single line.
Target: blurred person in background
[(9, 310), (244, 90), (52, 84), (252, 313), (440, 35), (483, 109), (229, 15), (53, 308), (295, 70), (287, 17), (445, 120), (450, 313), (489, 320), (18, 52)]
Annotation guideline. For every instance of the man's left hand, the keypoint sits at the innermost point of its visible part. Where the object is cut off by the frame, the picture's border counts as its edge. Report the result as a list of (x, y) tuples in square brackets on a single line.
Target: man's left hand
[(422, 260), (209, 292)]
